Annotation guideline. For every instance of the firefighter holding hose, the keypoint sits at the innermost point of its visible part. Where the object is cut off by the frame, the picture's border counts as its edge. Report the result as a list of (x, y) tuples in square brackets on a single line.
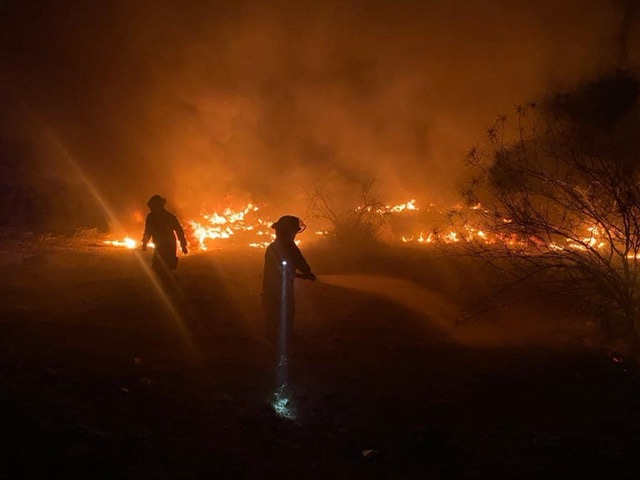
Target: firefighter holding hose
[(283, 262), (162, 227)]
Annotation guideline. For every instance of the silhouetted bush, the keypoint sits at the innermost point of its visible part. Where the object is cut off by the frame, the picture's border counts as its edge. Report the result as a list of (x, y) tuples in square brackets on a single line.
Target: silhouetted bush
[(559, 188)]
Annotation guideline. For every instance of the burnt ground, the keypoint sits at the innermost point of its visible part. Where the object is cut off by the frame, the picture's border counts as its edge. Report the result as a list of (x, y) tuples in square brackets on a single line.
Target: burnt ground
[(101, 379)]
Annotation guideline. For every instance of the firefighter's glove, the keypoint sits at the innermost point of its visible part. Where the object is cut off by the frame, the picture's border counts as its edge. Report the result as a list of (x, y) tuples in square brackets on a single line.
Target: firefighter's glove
[(184, 249), (144, 247), (310, 276)]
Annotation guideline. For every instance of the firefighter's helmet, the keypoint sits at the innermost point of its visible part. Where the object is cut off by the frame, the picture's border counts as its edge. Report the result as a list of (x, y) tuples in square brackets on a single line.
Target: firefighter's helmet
[(156, 201), (289, 223)]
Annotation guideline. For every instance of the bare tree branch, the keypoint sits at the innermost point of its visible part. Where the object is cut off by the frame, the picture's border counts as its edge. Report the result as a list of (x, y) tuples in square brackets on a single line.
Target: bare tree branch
[(558, 205)]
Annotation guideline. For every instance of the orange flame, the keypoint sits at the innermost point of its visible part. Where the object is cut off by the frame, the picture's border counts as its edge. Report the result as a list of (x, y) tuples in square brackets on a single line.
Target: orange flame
[(126, 242), (247, 225), (216, 226)]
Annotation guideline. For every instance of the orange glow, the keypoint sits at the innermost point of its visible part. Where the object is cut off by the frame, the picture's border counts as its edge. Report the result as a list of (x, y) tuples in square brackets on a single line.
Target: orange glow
[(221, 226), (410, 205), (138, 216), (126, 242), (250, 229)]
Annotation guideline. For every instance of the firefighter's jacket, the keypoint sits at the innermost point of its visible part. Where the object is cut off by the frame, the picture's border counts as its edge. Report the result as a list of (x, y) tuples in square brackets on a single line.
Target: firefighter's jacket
[(278, 275), (162, 227)]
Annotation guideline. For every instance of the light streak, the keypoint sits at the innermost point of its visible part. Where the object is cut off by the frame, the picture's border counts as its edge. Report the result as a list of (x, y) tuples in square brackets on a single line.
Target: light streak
[(281, 369), (102, 202), (281, 403)]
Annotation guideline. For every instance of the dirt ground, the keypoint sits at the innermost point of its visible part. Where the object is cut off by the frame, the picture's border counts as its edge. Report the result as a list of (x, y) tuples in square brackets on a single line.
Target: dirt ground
[(103, 376)]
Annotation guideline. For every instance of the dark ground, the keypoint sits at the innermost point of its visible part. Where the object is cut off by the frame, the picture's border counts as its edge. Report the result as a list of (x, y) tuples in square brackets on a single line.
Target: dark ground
[(100, 380)]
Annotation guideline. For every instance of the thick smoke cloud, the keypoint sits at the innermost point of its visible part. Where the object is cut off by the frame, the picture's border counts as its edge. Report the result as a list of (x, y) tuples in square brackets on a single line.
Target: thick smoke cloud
[(206, 101)]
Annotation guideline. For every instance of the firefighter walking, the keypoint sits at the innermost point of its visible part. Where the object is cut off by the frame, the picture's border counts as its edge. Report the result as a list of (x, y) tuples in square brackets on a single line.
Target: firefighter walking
[(162, 227)]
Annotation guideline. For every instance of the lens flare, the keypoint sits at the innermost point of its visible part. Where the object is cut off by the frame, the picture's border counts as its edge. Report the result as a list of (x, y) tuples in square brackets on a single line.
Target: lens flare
[(102, 202)]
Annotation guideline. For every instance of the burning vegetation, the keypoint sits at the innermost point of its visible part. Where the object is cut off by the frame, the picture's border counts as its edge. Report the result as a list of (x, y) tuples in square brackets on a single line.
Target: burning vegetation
[(242, 112), (246, 226), (558, 186), (555, 197)]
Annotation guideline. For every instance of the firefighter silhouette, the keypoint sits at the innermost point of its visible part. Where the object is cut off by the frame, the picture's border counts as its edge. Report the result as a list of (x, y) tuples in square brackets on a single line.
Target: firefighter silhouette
[(282, 261), (162, 227)]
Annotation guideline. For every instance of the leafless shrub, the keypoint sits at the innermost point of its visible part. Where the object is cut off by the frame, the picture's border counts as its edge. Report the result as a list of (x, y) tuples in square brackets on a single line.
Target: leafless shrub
[(361, 224), (557, 198)]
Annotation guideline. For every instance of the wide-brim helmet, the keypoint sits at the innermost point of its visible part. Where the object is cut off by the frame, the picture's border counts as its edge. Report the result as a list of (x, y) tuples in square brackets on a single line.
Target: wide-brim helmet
[(156, 201), (289, 223)]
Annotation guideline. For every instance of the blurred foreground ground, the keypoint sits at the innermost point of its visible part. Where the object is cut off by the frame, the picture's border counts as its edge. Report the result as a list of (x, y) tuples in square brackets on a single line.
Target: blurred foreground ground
[(101, 377)]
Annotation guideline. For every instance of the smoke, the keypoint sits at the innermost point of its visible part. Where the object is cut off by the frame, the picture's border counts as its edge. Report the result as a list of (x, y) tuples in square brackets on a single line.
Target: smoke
[(215, 102), (630, 10)]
